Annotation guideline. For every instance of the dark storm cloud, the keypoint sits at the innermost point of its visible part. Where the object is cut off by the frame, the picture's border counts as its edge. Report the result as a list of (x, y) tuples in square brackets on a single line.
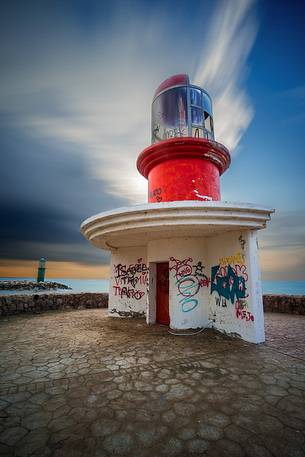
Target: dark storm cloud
[(45, 193)]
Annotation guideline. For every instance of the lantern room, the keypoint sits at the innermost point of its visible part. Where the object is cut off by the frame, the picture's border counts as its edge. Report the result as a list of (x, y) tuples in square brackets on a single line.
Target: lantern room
[(180, 109)]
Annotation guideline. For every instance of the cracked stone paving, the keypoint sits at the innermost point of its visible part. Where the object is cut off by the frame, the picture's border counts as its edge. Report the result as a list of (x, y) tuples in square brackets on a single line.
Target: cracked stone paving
[(78, 383)]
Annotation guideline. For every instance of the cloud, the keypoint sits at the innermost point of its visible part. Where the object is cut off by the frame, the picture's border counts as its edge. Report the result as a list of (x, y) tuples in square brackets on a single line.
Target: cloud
[(222, 67), (45, 193), (285, 230), (283, 264), (95, 93), (282, 251)]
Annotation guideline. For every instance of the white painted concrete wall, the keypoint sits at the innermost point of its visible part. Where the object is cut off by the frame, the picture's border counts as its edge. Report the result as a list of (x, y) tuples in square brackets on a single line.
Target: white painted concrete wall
[(234, 260), (188, 289), (211, 279), (255, 287), (128, 282)]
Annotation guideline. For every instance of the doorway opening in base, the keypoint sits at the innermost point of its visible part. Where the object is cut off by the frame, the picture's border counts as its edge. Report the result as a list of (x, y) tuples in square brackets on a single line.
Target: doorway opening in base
[(162, 293)]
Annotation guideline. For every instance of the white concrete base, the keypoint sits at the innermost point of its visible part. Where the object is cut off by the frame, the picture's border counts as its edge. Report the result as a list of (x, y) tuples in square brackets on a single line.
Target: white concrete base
[(213, 282), (211, 247)]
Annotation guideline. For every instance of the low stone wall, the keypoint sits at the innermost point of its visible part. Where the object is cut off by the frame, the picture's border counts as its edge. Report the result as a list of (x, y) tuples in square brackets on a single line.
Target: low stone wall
[(16, 304), (290, 304), (31, 285)]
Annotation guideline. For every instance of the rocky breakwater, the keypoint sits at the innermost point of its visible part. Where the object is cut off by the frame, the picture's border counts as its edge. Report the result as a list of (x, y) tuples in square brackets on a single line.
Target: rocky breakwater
[(31, 285), (37, 303), (290, 304)]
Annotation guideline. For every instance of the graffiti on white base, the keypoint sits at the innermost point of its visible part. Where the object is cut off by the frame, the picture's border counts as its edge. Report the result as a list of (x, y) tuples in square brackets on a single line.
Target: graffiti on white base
[(237, 258), (241, 311), (189, 279), (229, 280), (128, 279), (220, 301), (242, 242), (128, 292)]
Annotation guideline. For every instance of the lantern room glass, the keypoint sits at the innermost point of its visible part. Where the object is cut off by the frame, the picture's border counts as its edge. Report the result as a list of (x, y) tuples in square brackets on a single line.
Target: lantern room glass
[(170, 115), (182, 111)]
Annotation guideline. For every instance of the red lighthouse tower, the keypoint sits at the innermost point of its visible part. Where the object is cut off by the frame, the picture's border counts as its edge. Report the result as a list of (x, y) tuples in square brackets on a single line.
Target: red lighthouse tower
[(184, 161), (185, 259)]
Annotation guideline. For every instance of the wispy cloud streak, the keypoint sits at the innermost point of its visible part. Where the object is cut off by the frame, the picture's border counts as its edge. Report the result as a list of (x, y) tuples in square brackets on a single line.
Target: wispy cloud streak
[(222, 67)]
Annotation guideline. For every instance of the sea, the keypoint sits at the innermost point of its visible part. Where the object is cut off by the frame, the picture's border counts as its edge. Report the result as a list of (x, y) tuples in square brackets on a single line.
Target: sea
[(102, 285)]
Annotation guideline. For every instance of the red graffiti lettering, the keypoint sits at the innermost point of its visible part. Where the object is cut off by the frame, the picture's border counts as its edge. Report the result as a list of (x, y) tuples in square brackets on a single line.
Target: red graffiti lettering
[(241, 311), (204, 282)]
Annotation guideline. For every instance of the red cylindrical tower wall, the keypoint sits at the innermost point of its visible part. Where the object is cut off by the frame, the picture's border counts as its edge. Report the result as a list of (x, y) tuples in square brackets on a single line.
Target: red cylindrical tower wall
[(183, 169), (184, 179)]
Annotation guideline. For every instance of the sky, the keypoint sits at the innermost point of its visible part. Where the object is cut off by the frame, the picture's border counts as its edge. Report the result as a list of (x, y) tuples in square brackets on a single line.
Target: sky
[(76, 88)]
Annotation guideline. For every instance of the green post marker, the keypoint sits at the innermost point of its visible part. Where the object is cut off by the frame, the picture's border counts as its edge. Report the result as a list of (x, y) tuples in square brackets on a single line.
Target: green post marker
[(41, 270)]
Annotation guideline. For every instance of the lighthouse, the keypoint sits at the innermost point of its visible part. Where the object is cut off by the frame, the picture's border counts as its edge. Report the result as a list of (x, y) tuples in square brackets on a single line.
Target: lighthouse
[(185, 259)]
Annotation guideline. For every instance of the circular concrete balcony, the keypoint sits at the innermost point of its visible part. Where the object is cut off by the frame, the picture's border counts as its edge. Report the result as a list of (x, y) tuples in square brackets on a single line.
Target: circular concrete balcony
[(137, 225)]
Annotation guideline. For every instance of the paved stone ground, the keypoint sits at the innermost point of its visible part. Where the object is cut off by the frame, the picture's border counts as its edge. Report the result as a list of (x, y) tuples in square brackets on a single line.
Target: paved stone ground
[(78, 383)]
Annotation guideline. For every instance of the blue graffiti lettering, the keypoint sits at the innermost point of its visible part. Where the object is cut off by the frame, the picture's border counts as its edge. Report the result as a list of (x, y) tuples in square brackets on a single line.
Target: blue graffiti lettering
[(188, 304), (228, 284)]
